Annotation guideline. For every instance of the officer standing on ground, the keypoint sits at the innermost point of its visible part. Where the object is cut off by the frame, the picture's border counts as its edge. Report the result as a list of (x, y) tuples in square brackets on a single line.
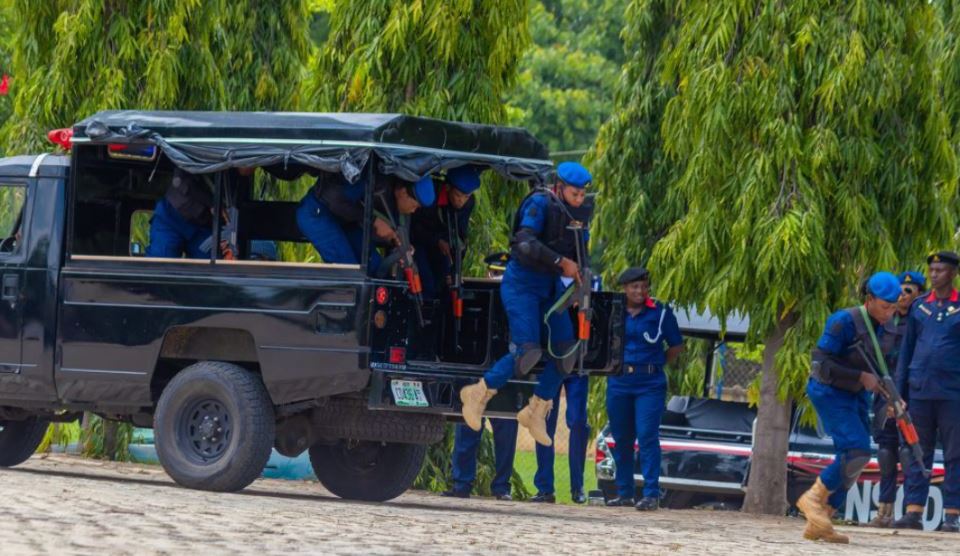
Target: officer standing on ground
[(839, 386), (888, 438), (330, 215), (542, 250), (928, 375), (635, 399), (466, 440), (576, 388)]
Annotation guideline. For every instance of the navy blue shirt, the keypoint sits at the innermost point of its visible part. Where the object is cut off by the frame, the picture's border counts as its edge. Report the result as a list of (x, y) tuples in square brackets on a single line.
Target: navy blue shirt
[(840, 333), (533, 215), (929, 363), (649, 334)]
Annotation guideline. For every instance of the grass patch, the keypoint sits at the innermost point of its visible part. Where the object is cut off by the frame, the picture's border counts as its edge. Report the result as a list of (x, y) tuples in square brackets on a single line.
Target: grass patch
[(525, 464)]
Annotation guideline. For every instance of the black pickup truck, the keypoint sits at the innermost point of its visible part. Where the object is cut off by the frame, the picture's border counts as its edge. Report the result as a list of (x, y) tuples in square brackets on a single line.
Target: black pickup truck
[(226, 359)]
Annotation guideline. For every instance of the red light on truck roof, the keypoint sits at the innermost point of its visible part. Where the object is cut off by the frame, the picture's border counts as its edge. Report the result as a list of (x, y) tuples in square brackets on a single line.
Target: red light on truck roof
[(62, 137)]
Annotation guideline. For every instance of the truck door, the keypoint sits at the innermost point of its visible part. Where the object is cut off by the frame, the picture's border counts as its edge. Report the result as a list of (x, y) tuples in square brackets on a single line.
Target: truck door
[(13, 204)]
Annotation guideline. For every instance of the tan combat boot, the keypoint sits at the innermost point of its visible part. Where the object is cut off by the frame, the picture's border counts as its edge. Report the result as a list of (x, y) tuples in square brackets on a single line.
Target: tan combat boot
[(534, 418), (474, 399), (884, 517), (813, 504)]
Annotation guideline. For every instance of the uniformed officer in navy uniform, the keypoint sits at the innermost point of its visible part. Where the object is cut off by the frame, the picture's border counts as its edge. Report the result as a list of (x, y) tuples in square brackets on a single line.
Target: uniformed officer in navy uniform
[(839, 387), (466, 440), (330, 215), (888, 438), (542, 249), (182, 219), (430, 228), (636, 399), (928, 374)]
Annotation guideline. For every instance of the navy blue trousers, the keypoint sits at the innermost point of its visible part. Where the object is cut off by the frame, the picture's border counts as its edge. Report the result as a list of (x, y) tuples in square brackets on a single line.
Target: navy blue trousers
[(845, 418), (634, 413), (171, 236), (930, 417), (577, 387), (466, 443)]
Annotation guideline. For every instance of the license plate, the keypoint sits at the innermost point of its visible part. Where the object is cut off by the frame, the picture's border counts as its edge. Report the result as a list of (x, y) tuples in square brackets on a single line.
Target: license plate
[(408, 393)]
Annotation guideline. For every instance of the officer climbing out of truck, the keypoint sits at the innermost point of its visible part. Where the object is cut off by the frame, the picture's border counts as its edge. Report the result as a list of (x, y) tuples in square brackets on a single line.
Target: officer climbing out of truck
[(839, 386), (331, 215), (542, 250), (888, 437), (438, 235), (928, 375), (636, 399)]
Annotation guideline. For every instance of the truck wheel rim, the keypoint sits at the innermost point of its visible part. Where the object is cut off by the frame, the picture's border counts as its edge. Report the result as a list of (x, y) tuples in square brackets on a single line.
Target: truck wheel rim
[(206, 429)]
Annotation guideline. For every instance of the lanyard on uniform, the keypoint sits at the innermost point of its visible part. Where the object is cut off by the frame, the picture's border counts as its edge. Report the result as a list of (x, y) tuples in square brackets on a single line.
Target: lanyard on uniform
[(655, 339), (881, 361)]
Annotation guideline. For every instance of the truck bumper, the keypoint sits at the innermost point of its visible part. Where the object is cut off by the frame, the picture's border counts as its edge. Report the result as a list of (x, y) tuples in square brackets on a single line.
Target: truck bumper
[(442, 393)]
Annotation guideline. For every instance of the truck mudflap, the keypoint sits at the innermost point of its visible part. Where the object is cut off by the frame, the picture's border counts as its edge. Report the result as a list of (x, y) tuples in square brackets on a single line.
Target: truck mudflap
[(431, 392)]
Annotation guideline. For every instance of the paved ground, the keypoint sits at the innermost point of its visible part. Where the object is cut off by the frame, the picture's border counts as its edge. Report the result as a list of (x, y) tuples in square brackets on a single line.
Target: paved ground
[(65, 505)]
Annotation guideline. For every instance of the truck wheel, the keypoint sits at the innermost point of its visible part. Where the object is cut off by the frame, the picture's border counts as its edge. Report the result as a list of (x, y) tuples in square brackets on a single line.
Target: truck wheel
[(19, 440), (372, 471), (214, 427)]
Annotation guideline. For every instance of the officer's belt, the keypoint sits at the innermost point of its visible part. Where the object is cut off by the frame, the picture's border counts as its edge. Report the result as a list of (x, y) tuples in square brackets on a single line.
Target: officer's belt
[(641, 369)]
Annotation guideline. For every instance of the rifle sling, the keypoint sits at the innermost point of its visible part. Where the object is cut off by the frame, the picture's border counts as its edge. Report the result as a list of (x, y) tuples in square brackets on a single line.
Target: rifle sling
[(881, 360)]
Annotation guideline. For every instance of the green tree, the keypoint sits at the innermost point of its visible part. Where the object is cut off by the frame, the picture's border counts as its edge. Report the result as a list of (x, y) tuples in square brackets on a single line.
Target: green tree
[(72, 58), (5, 46), (454, 60), (812, 147), (565, 88)]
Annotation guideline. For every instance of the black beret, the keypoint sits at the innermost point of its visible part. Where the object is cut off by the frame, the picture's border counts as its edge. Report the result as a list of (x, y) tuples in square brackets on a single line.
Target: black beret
[(497, 261), (633, 274), (948, 257)]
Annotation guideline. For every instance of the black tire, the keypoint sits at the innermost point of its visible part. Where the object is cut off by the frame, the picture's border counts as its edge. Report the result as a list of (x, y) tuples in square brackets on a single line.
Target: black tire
[(214, 427), (19, 440), (371, 471)]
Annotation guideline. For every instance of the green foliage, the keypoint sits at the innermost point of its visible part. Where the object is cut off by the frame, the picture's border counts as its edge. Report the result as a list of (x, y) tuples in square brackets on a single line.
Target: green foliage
[(454, 60), (73, 58), (564, 91), (628, 162), (5, 48), (93, 440)]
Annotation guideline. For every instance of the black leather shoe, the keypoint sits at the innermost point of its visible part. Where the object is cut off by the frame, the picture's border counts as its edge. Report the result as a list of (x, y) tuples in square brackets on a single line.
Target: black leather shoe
[(504, 497), (647, 504), (951, 523), (542, 498), (578, 497), (620, 502), (910, 520), (455, 494)]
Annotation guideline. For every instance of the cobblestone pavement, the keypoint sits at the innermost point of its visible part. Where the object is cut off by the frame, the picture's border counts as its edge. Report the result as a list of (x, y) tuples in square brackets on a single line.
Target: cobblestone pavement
[(65, 505)]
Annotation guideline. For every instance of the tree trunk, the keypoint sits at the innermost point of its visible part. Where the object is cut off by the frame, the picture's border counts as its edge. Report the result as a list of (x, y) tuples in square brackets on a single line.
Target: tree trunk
[(767, 485)]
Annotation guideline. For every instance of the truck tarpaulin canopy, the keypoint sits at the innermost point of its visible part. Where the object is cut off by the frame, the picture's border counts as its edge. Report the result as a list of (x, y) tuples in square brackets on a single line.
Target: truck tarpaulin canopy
[(406, 146)]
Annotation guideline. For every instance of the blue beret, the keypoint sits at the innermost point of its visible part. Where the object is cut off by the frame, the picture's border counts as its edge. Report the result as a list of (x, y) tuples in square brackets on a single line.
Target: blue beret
[(913, 277), (465, 178), (885, 286), (574, 173), (424, 192)]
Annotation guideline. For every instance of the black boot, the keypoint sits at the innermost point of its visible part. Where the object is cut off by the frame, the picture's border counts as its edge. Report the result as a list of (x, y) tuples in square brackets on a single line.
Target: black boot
[(951, 523), (618, 501), (647, 504), (578, 497), (910, 520), (453, 493), (544, 498)]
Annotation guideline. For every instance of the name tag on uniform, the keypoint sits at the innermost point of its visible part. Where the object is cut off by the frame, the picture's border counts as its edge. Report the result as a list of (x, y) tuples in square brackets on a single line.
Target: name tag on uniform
[(926, 311)]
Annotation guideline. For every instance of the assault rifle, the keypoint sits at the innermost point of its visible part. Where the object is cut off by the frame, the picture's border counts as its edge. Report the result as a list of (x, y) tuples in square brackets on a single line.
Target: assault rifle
[(456, 285), (407, 264), (889, 391), (581, 296)]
